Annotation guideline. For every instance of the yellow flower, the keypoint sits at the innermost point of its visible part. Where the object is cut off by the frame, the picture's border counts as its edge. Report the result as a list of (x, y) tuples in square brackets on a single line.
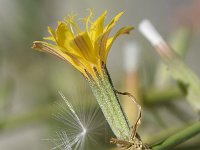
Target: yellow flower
[(86, 50)]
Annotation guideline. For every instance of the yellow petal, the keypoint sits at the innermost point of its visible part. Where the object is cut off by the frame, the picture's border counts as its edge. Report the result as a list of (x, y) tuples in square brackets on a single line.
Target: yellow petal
[(72, 24), (50, 38), (50, 30), (104, 37), (124, 30), (85, 50), (97, 27), (113, 22), (52, 33), (102, 45), (63, 35), (46, 47), (84, 44)]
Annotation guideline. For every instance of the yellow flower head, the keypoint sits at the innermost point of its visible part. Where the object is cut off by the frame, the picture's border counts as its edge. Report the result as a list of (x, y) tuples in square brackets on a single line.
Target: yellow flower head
[(86, 50)]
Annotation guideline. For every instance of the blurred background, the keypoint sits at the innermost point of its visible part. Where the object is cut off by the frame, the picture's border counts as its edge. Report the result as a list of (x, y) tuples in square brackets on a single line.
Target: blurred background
[(30, 80)]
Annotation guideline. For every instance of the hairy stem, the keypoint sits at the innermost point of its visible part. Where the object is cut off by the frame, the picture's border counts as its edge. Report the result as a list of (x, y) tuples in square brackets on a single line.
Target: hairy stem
[(108, 101)]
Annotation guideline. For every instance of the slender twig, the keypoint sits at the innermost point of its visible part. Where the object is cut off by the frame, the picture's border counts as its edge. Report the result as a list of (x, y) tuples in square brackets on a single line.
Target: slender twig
[(179, 137), (155, 96)]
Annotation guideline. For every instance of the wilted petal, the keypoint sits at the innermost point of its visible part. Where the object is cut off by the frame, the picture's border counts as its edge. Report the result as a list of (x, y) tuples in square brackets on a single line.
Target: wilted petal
[(113, 22), (102, 41), (124, 30), (50, 48), (102, 45)]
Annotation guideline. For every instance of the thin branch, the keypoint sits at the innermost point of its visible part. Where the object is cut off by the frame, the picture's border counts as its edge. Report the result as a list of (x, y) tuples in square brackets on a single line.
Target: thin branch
[(179, 137)]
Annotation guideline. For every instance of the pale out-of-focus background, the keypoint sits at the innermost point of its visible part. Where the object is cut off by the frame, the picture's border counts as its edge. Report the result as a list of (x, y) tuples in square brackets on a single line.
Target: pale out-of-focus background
[(30, 81)]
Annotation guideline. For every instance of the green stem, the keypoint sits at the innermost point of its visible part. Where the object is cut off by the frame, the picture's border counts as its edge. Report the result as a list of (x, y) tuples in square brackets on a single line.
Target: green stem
[(109, 103), (40, 114), (154, 96), (179, 137)]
